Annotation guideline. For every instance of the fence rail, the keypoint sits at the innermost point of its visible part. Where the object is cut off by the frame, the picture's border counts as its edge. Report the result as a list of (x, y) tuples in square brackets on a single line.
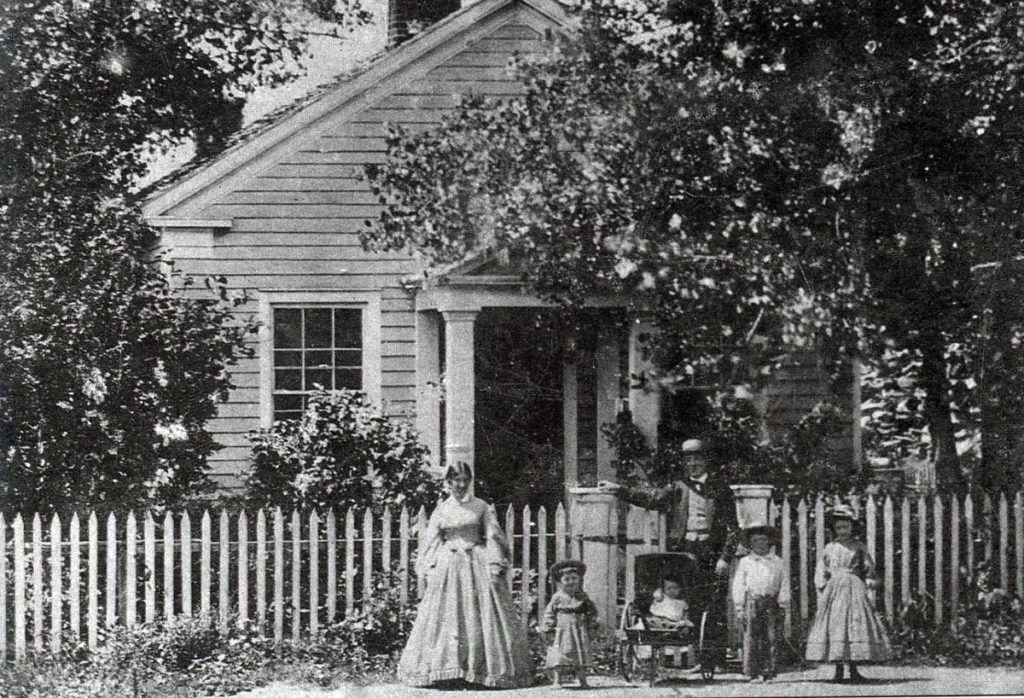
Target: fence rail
[(66, 581)]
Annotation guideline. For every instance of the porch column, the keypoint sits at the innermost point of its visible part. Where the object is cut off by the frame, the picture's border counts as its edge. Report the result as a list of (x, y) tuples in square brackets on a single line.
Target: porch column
[(459, 385), (606, 359), (428, 382), (595, 524), (644, 395)]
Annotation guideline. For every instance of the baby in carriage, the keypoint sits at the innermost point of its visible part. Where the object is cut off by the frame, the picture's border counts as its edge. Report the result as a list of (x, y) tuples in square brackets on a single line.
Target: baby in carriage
[(669, 610)]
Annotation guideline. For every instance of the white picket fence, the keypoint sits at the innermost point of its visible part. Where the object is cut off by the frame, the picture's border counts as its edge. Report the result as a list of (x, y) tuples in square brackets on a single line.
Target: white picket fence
[(300, 571)]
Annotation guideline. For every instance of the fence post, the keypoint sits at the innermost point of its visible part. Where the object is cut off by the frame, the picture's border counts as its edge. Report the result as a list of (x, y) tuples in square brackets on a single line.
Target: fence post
[(1004, 543), (168, 566), (19, 588), (296, 575), (261, 571), (205, 551), (37, 583), (149, 561), (92, 615), (888, 552), (185, 535), (937, 513), (3, 588), (131, 549), (278, 576), (56, 602), (332, 567), (243, 569), (224, 572), (350, 562)]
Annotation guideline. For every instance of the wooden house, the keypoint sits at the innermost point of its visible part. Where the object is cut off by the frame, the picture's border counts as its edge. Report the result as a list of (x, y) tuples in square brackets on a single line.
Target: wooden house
[(279, 213)]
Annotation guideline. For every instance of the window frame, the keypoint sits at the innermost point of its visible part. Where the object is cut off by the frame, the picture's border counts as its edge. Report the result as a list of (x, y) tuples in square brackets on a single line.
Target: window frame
[(366, 301)]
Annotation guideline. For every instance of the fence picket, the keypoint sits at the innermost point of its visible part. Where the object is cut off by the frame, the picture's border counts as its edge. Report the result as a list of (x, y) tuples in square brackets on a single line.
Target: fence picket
[(787, 561), (1004, 543), (185, 536), (223, 572), (75, 578), (110, 599), (19, 588), (510, 529), (37, 583), (542, 559), (56, 605), (296, 575), (524, 580), (3, 588), (801, 523), (419, 530), (278, 576), (819, 526), (1018, 546), (954, 558), (937, 514), (350, 562), (168, 566), (560, 533), (205, 552), (149, 562), (367, 555), (243, 569), (969, 534), (905, 551), (922, 545), (92, 591), (403, 556), (889, 562), (314, 573), (332, 566), (871, 527), (385, 542), (131, 549), (261, 570)]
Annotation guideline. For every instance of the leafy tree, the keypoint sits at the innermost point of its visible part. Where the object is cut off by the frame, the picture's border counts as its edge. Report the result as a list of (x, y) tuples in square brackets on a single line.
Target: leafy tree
[(341, 453), (766, 176), (110, 366)]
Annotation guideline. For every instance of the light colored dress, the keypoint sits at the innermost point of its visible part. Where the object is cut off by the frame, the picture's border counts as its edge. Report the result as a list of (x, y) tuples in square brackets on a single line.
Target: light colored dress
[(466, 626), (569, 616), (846, 627)]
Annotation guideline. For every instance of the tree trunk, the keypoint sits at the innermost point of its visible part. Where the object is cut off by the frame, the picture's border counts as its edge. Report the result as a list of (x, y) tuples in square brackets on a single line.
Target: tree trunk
[(940, 420)]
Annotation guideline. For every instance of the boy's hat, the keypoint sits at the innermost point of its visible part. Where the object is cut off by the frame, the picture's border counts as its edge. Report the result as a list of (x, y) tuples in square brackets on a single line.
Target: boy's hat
[(559, 567), (693, 446), (842, 512), (752, 531)]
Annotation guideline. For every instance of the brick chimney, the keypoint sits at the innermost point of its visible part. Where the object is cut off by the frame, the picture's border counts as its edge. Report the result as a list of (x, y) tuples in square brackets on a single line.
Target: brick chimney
[(408, 17)]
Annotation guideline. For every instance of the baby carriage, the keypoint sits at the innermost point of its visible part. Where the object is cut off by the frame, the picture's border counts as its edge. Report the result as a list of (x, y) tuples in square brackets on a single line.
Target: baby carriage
[(643, 639)]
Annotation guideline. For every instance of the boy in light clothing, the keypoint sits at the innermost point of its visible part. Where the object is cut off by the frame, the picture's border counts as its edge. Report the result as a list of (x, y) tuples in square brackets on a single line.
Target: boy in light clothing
[(760, 593)]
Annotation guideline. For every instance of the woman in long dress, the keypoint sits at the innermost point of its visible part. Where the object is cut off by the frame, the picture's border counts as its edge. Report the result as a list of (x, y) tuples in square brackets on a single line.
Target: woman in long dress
[(467, 626), (846, 627)]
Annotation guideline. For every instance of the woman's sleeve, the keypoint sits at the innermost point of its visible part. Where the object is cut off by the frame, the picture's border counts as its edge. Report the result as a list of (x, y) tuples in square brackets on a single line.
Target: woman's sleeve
[(548, 622), (430, 543), (821, 572), (494, 538), (867, 564)]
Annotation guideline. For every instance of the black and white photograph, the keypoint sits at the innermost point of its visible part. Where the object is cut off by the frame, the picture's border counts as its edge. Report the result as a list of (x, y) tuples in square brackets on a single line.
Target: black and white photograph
[(411, 348)]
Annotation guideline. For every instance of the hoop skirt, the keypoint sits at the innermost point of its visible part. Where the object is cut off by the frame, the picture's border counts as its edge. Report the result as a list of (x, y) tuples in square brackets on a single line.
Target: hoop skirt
[(466, 626), (846, 627)]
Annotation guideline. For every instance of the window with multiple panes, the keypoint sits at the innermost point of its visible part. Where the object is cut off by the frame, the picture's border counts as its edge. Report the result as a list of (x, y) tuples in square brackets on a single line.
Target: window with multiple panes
[(318, 346)]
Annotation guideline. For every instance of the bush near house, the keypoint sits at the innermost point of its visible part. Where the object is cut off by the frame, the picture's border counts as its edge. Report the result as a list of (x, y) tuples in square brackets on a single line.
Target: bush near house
[(342, 452)]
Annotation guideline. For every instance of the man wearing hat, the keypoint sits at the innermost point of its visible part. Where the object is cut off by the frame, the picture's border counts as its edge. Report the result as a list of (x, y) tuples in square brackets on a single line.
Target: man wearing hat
[(700, 511)]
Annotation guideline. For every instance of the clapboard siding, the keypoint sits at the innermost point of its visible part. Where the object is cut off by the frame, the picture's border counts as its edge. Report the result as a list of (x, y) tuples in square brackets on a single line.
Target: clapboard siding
[(296, 223)]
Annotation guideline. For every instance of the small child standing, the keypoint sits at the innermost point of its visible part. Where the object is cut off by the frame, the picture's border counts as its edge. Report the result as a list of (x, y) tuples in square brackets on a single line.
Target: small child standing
[(759, 595), (566, 620)]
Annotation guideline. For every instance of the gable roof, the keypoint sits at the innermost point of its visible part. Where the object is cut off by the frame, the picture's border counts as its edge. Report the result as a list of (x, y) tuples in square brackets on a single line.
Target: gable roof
[(189, 187)]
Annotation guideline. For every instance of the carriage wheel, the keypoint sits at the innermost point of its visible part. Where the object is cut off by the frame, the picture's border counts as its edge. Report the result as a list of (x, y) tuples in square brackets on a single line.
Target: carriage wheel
[(704, 649), (627, 660)]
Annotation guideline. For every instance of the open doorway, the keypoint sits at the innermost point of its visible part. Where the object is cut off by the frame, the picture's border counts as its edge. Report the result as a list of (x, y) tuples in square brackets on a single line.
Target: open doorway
[(519, 421)]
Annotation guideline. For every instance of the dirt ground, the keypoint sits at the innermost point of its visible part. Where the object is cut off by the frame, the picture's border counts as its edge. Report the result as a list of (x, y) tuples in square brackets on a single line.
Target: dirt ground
[(885, 681)]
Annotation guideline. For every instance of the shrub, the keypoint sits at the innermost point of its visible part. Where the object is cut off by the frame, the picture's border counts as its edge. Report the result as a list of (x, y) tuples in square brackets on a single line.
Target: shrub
[(342, 452)]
